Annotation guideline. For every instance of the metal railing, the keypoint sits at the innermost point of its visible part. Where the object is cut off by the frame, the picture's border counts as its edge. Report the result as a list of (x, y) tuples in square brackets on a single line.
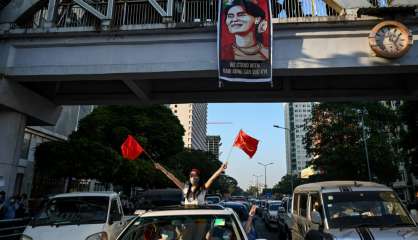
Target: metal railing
[(13, 229), (141, 12)]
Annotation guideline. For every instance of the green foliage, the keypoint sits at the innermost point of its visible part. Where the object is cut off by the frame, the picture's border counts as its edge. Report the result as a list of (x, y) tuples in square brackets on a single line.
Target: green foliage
[(335, 143), (409, 134), (252, 191), (94, 150), (285, 185)]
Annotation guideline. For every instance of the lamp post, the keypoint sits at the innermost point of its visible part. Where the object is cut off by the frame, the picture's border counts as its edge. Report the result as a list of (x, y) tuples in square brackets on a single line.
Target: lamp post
[(290, 166), (265, 172), (256, 177)]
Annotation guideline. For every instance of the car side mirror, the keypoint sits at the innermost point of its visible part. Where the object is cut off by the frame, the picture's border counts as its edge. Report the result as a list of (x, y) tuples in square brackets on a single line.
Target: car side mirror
[(316, 218), (282, 210)]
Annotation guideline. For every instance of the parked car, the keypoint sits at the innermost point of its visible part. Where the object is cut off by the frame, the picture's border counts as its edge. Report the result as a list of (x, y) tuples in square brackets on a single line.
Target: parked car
[(240, 209), (284, 219), (270, 214), (349, 210), (211, 222), (85, 216)]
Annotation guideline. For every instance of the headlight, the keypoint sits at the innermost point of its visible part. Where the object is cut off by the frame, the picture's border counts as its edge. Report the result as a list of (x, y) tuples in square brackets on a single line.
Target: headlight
[(24, 237), (98, 236)]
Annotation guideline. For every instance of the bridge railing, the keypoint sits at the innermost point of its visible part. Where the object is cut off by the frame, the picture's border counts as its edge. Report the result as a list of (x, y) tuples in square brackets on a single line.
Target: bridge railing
[(141, 12)]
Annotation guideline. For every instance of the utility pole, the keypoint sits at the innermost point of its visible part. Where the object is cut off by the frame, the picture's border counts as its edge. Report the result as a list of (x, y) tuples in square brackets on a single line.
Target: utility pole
[(257, 185), (265, 172), (290, 166), (366, 151)]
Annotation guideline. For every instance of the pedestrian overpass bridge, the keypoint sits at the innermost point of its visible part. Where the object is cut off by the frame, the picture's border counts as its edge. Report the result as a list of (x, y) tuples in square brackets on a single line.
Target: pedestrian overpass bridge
[(80, 52), (62, 52)]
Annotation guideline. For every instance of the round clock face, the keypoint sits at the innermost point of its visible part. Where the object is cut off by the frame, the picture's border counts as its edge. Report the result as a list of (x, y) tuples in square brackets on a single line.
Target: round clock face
[(390, 39)]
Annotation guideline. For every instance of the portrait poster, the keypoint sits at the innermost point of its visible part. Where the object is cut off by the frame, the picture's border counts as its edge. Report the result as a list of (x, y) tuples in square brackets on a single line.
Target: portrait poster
[(245, 41)]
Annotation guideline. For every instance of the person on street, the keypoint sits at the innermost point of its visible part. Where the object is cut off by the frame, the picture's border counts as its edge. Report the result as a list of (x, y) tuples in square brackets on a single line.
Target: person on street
[(10, 209), (194, 190)]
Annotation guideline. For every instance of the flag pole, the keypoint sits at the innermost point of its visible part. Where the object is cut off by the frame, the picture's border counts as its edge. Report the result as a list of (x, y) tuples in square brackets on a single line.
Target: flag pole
[(229, 154), (149, 156)]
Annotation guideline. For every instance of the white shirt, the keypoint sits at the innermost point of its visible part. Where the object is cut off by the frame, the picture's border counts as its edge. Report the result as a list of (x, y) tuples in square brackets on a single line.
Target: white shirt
[(199, 200)]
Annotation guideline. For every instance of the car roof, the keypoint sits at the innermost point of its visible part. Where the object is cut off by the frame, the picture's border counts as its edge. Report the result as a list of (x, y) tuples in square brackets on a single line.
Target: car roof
[(86, 194), (341, 186), (187, 211)]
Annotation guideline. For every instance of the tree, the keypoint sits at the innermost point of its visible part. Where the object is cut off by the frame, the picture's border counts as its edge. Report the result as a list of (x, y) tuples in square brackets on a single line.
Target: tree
[(334, 140), (252, 191), (409, 134), (285, 186), (94, 150)]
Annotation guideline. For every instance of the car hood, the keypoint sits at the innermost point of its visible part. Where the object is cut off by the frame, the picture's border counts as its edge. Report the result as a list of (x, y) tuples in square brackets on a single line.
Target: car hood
[(63, 232), (404, 233)]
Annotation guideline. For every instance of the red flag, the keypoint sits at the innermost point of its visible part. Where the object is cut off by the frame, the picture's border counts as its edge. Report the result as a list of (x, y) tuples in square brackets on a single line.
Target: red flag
[(131, 149), (247, 143)]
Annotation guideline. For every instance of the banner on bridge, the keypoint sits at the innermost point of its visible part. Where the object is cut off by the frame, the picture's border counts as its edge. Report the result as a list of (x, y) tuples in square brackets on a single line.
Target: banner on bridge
[(245, 41)]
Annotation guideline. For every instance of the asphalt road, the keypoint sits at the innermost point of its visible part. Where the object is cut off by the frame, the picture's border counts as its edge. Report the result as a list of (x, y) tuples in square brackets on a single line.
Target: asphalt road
[(263, 232)]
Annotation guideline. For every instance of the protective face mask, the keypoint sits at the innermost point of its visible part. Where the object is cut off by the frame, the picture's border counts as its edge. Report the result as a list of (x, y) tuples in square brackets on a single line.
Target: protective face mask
[(194, 180)]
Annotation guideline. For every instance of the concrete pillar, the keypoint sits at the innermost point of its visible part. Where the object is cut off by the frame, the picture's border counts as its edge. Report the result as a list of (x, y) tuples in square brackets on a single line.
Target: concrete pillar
[(12, 128)]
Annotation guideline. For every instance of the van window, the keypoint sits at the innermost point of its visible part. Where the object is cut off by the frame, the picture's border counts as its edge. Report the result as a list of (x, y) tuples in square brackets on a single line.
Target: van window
[(295, 204), (316, 204), (303, 201)]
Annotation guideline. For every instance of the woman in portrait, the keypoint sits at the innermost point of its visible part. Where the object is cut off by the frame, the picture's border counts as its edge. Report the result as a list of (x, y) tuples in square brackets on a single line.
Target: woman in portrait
[(246, 21)]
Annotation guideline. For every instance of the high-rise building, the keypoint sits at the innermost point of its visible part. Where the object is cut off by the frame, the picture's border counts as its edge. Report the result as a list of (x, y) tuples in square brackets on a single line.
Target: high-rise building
[(193, 117), (213, 144), (20, 179), (296, 115)]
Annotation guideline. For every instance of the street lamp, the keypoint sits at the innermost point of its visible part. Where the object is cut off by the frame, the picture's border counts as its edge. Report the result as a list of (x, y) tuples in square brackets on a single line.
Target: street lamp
[(265, 172), (291, 168), (257, 176)]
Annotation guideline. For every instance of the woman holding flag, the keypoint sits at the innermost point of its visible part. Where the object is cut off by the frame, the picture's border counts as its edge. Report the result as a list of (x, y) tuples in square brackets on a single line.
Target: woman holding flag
[(194, 190)]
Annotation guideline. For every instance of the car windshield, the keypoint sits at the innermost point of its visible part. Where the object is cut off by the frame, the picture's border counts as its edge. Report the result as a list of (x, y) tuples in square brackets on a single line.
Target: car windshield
[(368, 208), (198, 227), (73, 210), (274, 207)]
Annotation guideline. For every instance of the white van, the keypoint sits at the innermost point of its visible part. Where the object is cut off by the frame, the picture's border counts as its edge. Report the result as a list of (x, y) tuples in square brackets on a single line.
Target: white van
[(78, 216), (349, 210)]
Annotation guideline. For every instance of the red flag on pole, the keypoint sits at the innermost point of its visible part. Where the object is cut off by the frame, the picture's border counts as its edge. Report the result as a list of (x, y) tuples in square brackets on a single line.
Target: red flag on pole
[(131, 149), (246, 143)]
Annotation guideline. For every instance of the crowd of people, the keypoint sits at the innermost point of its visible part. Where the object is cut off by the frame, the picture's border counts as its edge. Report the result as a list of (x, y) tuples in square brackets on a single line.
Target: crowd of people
[(13, 207)]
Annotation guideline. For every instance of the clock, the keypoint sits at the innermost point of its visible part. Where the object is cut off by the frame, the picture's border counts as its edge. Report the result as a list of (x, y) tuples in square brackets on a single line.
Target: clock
[(390, 39)]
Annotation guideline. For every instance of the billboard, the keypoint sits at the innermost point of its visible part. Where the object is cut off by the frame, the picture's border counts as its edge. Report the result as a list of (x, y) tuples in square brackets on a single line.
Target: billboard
[(245, 41)]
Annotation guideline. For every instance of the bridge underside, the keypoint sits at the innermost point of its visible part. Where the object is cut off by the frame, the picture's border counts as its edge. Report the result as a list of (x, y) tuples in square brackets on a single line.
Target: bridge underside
[(179, 87)]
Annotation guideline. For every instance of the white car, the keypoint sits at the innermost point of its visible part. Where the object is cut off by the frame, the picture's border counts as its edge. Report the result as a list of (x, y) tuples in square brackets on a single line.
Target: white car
[(271, 213), (78, 216), (349, 210), (201, 223)]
